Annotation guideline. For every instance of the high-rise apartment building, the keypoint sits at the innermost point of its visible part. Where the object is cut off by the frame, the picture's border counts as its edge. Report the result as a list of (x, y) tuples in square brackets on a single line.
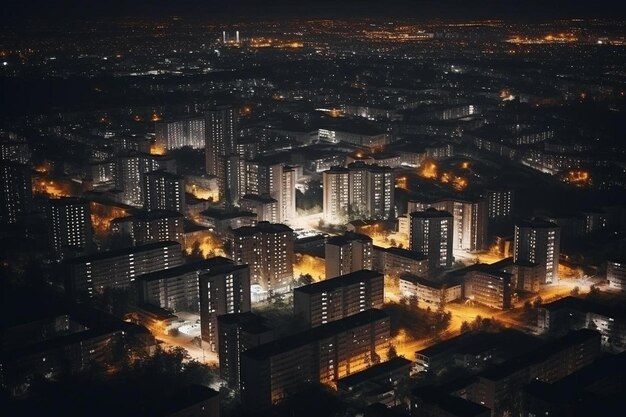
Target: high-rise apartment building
[(264, 206), (268, 249), (470, 222), (372, 189), (224, 289), (151, 226), (616, 274), (347, 253), (174, 289), (336, 298), (363, 191), (15, 191), (432, 234), (336, 194), (126, 144), (130, 168), (14, 150), (69, 225), (175, 134), (92, 274), (539, 242), (220, 142), (500, 203), (239, 332), (275, 180), (163, 190)]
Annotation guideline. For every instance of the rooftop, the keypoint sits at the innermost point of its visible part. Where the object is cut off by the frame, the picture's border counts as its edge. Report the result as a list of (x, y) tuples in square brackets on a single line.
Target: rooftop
[(123, 252), (340, 281), (206, 264), (376, 371), (262, 227), (542, 353), (346, 238), (285, 344), (431, 213)]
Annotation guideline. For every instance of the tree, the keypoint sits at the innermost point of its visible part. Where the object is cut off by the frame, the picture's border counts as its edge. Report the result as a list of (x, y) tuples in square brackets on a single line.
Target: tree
[(196, 251), (465, 327), (392, 352)]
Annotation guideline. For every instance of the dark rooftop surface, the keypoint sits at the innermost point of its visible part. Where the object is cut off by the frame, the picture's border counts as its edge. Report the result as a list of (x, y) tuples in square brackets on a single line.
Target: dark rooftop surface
[(346, 238), (249, 322), (205, 264), (220, 214), (164, 174), (454, 405), (376, 371), (476, 342), (185, 397), (324, 331), (570, 387), (340, 281), (121, 252), (536, 224), (585, 306), (406, 276), (262, 227), (431, 213), (405, 253), (265, 199), (542, 353)]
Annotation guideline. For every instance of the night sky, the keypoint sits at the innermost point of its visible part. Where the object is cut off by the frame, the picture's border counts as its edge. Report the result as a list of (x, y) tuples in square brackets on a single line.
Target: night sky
[(507, 9)]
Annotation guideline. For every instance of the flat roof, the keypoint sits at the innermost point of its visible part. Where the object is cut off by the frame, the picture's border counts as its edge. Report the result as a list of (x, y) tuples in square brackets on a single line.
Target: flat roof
[(220, 214), (340, 281), (265, 199), (205, 264), (543, 352), (404, 253), (586, 306), (248, 321), (407, 276), (324, 331), (262, 227), (164, 174), (346, 238), (121, 252), (376, 371), (457, 406), (537, 224), (431, 213)]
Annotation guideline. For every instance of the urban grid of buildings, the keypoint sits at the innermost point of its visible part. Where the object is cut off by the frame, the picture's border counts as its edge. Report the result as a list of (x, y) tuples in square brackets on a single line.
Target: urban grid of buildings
[(386, 209)]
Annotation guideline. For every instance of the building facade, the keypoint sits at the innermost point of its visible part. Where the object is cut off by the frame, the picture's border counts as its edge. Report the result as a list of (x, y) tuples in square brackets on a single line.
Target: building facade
[(268, 249), (91, 275), (224, 289), (163, 191), (432, 234), (539, 242), (271, 371), (347, 253), (69, 225), (336, 298)]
